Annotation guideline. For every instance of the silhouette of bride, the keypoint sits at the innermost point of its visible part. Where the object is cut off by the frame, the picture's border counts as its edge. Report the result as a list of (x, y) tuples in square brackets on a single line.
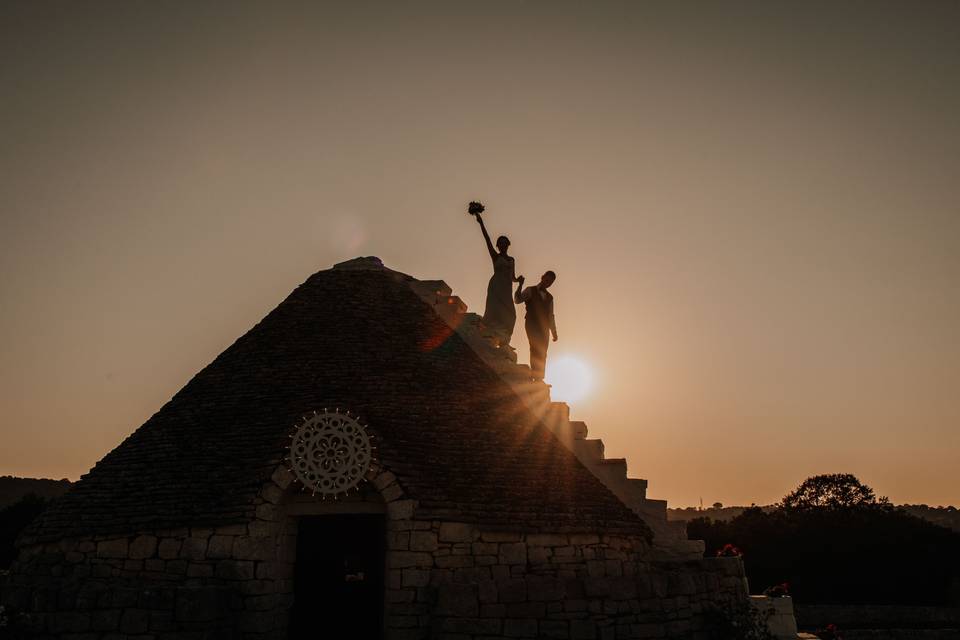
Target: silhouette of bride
[(500, 315)]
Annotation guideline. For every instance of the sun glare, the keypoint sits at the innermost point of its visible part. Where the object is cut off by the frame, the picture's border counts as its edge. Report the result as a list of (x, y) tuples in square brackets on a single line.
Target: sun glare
[(570, 377)]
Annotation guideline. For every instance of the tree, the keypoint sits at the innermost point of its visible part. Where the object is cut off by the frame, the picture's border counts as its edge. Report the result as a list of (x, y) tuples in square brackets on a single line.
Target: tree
[(13, 519), (831, 491)]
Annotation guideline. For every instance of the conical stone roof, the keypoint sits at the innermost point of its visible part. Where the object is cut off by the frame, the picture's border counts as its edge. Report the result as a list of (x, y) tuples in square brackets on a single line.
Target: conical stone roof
[(462, 444)]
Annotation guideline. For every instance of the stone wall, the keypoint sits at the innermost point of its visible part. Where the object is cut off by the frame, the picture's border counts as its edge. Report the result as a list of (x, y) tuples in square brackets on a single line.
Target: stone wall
[(443, 579)]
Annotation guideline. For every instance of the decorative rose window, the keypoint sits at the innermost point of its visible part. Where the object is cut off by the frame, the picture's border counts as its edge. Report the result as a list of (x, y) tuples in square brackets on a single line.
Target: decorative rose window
[(330, 452)]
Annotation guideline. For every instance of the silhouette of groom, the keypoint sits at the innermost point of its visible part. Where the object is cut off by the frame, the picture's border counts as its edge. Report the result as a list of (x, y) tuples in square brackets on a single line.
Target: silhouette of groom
[(539, 322)]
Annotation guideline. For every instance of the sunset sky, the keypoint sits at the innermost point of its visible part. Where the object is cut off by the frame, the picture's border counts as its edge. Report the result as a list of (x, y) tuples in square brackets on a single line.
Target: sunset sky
[(753, 209)]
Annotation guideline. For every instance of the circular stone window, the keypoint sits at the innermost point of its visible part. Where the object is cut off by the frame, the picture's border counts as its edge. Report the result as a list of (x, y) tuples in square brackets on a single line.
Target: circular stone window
[(330, 452)]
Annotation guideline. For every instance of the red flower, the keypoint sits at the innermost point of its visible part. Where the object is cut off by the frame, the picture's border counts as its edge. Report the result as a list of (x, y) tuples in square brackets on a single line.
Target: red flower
[(728, 551)]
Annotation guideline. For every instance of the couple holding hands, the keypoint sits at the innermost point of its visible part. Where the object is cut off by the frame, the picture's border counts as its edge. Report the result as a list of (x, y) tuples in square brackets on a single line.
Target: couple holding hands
[(500, 315)]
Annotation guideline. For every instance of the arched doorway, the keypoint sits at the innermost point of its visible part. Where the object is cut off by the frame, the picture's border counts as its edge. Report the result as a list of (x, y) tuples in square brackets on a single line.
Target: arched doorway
[(338, 580), (338, 583)]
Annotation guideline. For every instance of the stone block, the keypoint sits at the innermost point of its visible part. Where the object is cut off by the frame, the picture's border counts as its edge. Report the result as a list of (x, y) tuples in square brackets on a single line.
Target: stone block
[(157, 598), (401, 595), (219, 547), (484, 548), (613, 567), (162, 621), (520, 628), (400, 509), (405, 559), (512, 590), (199, 570), (271, 494), (423, 541), (457, 600), (596, 568), (623, 588), (384, 480), (116, 548), (499, 536), (596, 587), (250, 548), (545, 588), (261, 528), (472, 626), (539, 555), (415, 578), (274, 570), (554, 629), (282, 477), (256, 621), (197, 604), (232, 530), (391, 493), (487, 590), (169, 548), (581, 539), (193, 548), (513, 553), (536, 610), (154, 564), (134, 621), (64, 622), (105, 620), (680, 583), (143, 547), (583, 630), (235, 569), (267, 511), (175, 567), (451, 562), (398, 540), (456, 532), (547, 540)]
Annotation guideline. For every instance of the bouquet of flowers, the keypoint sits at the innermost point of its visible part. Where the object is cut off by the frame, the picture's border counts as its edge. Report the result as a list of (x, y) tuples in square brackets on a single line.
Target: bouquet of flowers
[(475, 208), (728, 551), (781, 590)]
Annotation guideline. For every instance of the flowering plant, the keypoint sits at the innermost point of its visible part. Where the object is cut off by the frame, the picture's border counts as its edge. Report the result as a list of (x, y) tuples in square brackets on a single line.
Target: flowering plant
[(781, 590), (830, 632), (728, 551), (475, 208)]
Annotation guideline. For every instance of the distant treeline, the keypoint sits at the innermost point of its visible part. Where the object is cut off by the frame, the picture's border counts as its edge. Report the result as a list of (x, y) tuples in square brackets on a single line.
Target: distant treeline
[(832, 541), (22, 500), (13, 488), (948, 517)]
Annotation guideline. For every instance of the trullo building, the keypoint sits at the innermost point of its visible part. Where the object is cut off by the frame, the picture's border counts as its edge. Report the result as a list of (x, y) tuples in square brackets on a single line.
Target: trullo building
[(363, 463)]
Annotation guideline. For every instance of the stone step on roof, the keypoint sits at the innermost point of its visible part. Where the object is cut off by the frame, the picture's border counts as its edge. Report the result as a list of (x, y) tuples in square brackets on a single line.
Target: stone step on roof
[(573, 434), (589, 451), (579, 428), (638, 487)]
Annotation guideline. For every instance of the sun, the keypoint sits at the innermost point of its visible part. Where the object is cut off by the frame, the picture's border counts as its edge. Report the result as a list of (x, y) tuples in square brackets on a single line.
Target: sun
[(570, 377)]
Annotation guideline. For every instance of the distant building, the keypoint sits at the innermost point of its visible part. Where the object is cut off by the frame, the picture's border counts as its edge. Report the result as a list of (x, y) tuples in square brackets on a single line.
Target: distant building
[(454, 500)]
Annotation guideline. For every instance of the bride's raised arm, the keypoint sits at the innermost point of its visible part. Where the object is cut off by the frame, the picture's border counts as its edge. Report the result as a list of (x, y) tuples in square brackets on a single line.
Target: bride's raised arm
[(486, 237)]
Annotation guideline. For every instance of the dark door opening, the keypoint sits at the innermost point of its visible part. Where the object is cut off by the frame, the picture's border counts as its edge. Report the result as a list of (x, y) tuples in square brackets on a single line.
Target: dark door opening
[(338, 581)]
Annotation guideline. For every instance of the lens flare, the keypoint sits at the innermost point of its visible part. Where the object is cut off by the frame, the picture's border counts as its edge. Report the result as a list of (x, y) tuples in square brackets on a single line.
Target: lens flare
[(570, 377)]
